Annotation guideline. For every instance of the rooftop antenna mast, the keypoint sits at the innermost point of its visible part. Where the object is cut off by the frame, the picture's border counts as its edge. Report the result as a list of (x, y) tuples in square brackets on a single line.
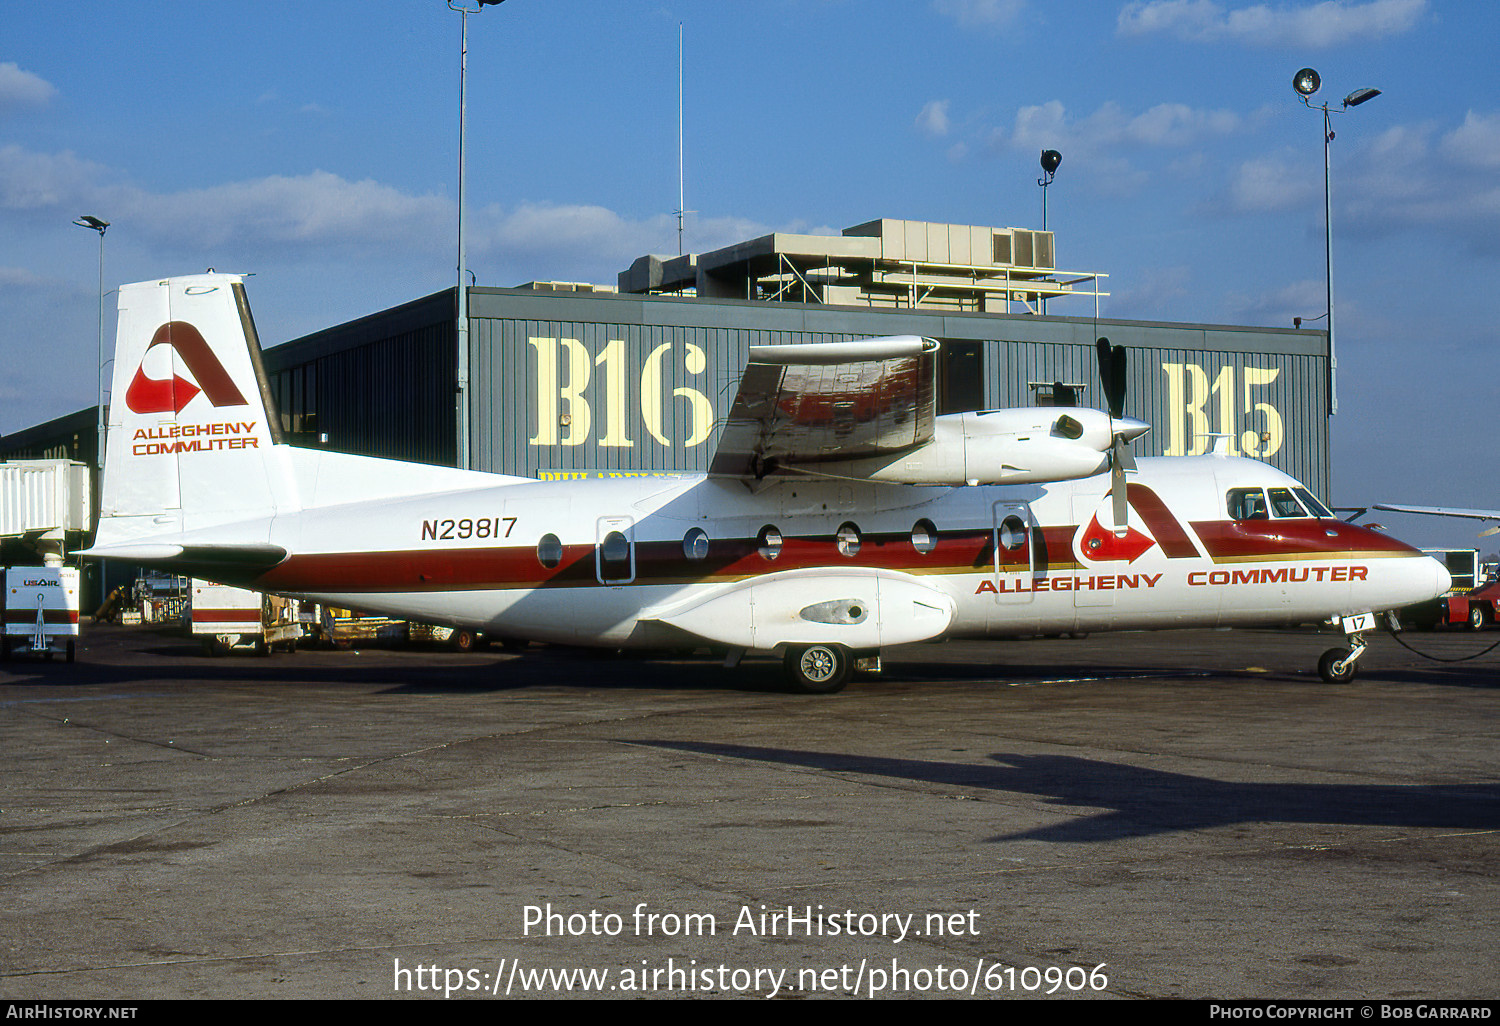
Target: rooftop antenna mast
[(681, 189)]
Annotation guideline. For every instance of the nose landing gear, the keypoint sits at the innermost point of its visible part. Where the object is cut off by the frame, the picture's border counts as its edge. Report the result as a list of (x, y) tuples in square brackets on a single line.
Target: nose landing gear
[(1337, 665)]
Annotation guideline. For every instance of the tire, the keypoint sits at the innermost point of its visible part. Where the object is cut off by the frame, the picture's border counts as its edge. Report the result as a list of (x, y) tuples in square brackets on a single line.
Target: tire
[(818, 669), (1326, 667), (1476, 617), (464, 641)]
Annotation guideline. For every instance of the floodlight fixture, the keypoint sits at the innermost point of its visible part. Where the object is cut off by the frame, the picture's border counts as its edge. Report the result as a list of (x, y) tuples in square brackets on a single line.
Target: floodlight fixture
[(1051, 161), (89, 221), (1306, 82)]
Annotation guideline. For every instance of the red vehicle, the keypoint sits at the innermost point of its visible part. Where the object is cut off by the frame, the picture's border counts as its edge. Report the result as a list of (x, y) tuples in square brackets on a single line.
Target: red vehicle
[(1478, 608)]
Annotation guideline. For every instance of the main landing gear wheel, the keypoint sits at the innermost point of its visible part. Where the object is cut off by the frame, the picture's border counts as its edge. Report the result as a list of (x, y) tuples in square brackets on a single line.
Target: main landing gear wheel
[(818, 669), (464, 641), (1337, 666)]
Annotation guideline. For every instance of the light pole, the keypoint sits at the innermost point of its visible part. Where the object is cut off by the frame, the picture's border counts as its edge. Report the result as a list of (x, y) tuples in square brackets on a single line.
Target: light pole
[(462, 387), (1307, 82), (1051, 161), (95, 224)]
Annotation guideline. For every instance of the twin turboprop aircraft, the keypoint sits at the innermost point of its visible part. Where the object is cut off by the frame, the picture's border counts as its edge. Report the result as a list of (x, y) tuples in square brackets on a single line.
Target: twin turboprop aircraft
[(840, 514)]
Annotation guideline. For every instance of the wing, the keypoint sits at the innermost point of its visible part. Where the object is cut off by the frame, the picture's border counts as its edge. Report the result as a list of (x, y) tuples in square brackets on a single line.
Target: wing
[(826, 401), (1449, 511), (1443, 511)]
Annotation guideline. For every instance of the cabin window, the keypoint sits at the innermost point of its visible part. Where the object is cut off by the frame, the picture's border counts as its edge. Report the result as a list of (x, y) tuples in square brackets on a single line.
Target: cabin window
[(549, 551), (769, 543), (1012, 533), (1313, 505), (695, 544), (1285, 504), (614, 549), (923, 536), (1247, 504), (848, 541)]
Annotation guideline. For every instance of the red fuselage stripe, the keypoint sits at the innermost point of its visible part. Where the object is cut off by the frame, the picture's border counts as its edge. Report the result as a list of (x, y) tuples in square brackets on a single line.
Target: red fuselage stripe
[(731, 559)]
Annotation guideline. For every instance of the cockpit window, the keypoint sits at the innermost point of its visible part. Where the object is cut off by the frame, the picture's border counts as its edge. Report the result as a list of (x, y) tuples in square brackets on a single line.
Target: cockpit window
[(1285, 504), (1247, 504), (1314, 507)]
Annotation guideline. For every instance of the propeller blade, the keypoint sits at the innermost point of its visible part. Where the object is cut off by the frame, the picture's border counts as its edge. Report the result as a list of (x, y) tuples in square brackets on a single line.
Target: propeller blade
[(1112, 370), (1112, 375), (1118, 486)]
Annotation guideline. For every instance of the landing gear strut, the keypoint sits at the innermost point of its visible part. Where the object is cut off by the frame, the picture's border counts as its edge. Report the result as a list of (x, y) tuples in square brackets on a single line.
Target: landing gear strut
[(1337, 666)]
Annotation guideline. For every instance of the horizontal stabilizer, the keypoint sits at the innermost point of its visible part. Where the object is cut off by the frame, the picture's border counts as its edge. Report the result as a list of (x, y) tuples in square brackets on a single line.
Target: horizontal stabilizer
[(240, 558)]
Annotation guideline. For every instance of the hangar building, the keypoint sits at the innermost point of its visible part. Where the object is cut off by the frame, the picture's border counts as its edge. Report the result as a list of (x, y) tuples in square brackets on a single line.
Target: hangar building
[(571, 379)]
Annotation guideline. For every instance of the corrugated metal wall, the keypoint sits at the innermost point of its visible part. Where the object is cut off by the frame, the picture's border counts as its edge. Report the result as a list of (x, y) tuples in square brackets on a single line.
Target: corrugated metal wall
[(572, 384), (653, 396), (567, 383), (374, 388), (1269, 405)]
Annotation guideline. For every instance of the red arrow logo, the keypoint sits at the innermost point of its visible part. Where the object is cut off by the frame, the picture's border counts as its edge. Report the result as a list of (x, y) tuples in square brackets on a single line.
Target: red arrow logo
[(152, 395), (1102, 545)]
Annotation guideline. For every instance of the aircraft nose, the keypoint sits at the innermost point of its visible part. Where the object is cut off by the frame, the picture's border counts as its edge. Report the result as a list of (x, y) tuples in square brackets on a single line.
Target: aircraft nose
[(1442, 580), (1128, 428)]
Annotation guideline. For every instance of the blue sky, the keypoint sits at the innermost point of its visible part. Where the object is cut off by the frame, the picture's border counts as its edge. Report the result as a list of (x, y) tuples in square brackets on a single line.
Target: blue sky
[(315, 144)]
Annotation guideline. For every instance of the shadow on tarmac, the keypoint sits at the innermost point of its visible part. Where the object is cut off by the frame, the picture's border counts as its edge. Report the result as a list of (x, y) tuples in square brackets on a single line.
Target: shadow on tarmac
[(1139, 802)]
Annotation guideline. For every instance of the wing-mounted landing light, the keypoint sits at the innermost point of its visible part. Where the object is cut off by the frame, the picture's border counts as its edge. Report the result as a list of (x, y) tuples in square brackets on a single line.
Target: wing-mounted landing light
[(1123, 430)]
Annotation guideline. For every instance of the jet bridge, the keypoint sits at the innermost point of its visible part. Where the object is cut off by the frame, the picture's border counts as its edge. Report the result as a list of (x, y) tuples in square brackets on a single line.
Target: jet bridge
[(41, 500)]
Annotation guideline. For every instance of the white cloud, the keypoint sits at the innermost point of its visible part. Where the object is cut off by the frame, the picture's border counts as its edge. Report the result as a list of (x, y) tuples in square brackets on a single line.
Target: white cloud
[(318, 213), (582, 241), (1271, 183), (19, 278), (1307, 299), (933, 119), (981, 13), (1049, 125), (1388, 185), (1476, 142), (1326, 24), (19, 88), (317, 208), (31, 181), (1156, 292)]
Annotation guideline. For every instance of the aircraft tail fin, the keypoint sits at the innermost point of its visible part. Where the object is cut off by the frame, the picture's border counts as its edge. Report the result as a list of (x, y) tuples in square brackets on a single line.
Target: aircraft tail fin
[(191, 421)]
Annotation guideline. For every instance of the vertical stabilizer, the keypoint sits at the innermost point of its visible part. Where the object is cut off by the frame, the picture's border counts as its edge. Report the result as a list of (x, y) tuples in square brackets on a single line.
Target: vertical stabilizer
[(190, 426)]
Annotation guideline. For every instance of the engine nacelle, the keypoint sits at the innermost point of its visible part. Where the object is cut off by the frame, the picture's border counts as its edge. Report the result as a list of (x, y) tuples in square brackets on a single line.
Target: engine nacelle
[(1017, 446)]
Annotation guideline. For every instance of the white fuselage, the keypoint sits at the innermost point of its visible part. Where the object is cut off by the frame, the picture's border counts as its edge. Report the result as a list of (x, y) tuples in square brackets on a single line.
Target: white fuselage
[(1011, 559)]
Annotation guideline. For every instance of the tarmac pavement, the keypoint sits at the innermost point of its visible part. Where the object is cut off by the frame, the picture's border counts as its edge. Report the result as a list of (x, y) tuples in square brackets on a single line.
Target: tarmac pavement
[(1180, 815)]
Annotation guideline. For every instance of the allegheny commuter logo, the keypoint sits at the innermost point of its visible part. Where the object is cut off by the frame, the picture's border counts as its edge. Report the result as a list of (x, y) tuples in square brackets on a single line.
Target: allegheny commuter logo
[(153, 395)]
